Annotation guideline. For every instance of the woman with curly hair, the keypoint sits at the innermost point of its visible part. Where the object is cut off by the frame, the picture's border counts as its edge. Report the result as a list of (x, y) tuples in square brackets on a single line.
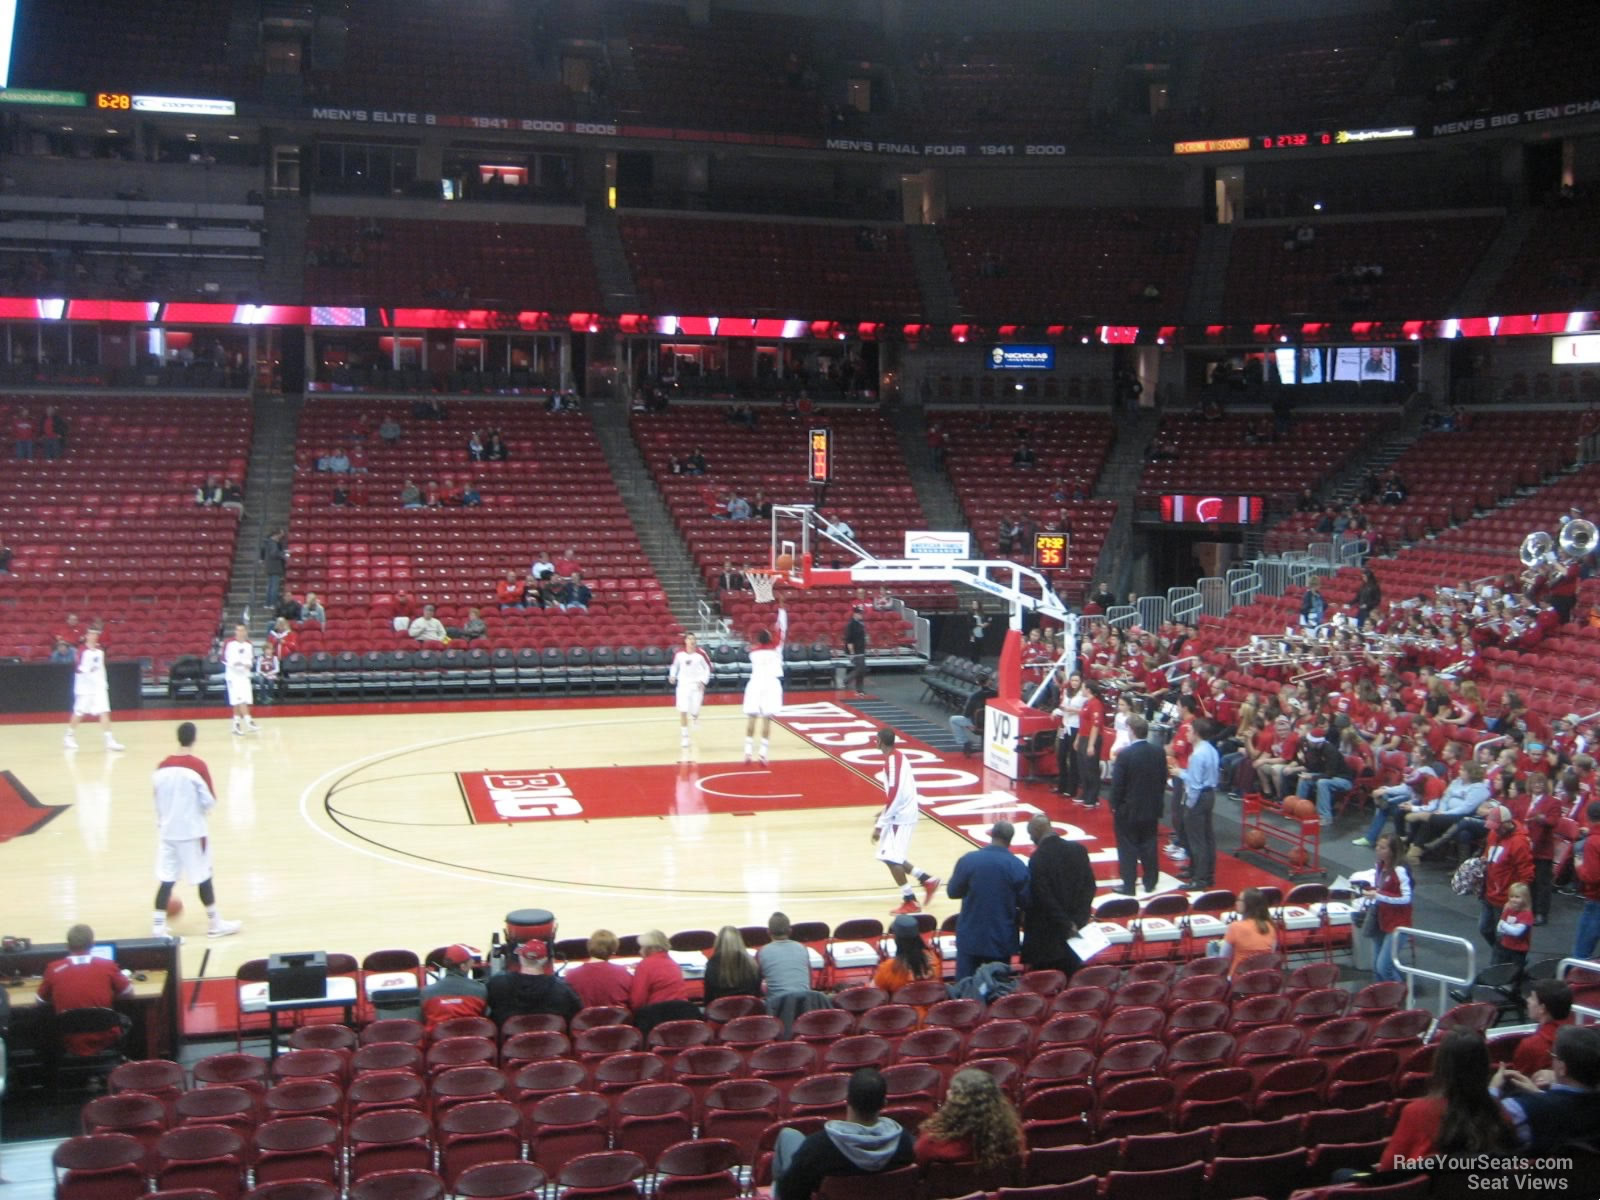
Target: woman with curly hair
[(975, 1124)]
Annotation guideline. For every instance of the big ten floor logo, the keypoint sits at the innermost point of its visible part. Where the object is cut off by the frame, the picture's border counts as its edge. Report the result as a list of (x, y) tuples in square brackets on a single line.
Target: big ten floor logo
[(518, 796)]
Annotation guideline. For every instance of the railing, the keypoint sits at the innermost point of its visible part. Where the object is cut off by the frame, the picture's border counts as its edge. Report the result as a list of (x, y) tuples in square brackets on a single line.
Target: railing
[(1406, 935), (1184, 604), (1587, 964), (1153, 611), (1121, 616), (1244, 586)]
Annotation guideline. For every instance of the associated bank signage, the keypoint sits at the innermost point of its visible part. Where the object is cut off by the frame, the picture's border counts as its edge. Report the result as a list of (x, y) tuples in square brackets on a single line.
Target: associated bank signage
[(928, 546), (1022, 358)]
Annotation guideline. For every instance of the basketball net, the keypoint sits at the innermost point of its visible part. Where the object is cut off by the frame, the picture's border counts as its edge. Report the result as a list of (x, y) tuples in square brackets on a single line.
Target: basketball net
[(761, 584)]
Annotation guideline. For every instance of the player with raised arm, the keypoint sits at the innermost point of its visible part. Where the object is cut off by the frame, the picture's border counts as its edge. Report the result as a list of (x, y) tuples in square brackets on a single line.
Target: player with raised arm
[(691, 672), (763, 695), (238, 671), (892, 831), (91, 693)]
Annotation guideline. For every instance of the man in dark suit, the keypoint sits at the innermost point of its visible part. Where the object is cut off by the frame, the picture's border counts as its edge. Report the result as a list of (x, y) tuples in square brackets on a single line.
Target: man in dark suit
[(1060, 896), (1138, 791), (992, 885)]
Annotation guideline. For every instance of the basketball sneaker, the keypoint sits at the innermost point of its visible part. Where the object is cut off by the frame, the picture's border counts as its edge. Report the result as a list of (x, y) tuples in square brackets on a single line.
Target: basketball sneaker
[(238, 729), (907, 907), (70, 741), (251, 727), (221, 929), (113, 744), (930, 888)]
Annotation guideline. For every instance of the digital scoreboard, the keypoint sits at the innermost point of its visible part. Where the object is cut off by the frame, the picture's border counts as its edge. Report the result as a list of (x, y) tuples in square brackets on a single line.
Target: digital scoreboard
[(1050, 550), (820, 456)]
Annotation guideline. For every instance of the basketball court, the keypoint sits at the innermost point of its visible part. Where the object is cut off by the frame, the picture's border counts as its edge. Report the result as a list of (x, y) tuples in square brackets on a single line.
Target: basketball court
[(356, 828)]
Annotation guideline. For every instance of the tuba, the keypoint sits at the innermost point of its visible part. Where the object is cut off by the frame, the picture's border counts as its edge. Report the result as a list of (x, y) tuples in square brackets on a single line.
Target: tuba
[(1536, 548), (1578, 538)]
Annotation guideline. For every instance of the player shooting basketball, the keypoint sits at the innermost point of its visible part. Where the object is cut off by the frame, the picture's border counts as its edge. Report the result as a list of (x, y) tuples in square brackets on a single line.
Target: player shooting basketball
[(763, 695)]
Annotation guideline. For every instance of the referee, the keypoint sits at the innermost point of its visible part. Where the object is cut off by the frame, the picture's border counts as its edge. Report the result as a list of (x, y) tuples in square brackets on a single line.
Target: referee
[(855, 645)]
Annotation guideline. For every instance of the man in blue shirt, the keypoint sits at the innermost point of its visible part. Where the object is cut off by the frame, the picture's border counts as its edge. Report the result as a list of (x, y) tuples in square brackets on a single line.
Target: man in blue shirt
[(1199, 795), (992, 885)]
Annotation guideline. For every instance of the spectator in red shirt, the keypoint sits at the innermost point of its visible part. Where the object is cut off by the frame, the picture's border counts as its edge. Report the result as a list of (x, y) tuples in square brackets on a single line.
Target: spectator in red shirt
[(567, 565), (82, 981), (1091, 729), (1543, 813), (1588, 876), (1458, 1116), (600, 981), (658, 992), (22, 433), (1549, 1007), (1508, 860)]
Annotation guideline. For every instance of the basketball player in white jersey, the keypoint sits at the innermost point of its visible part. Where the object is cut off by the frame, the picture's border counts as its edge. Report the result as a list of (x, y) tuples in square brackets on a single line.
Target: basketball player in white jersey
[(892, 832), (184, 799), (691, 672), (91, 694), (238, 668), (763, 695)]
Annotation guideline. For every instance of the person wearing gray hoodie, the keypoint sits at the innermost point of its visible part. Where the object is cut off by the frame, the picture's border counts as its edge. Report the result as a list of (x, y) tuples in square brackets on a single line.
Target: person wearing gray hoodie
[(864, 1143)]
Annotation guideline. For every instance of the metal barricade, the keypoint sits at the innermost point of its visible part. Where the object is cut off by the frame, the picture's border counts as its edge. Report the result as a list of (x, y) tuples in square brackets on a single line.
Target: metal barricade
[(1184, 605), (1244, 585), (1587, 964), (1121, 616), (1152, 611), (1215, 599), (1353, 551), (1403, 939)]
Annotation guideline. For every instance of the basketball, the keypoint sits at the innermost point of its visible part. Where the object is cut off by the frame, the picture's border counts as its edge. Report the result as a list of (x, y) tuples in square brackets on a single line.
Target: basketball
[(1299, 808), (784, 563), (1298, 858), (174, 907), (1255, 839)]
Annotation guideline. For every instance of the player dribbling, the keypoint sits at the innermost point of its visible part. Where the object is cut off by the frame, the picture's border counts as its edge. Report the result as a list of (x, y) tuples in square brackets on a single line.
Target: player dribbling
[(691, 672), (891, 833), (238, 668), (763, 695)]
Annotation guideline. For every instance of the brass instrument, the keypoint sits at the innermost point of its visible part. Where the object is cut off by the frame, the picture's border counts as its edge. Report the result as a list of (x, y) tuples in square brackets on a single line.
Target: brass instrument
[(1578, 538)]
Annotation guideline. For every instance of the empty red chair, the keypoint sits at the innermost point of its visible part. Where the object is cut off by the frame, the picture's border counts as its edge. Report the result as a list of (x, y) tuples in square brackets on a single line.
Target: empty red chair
[(702, 1169), (501, 1181), (1290, 1087), (1264, 981), (818, 1096), (1067, 1164), (1313, 1008), (566, 1126), (1258, 1011), (1364, 1077), (464, 1027), (1099, 975), (1260, 1175), (823, 1026), (1475, 1018), (1018, 1006), (1045, 983), (1008, 1039), (1214, 1097), (1128, 1060), (860, 1050), (531, 1023), (1160, 1151), (591, 1045), (1132, 1025), (305, 1098), (324, 1037), (482, 1131), (739, 1111), (1337, 1038), (1141, 993), (700, 1068), (232, 1070), (310, 1064), (1082, 998), (297, 1148), (1070, 1029), (1194, 988), (1058, 1116), (606, 1174), (468, 1051), (377, 1090), (395, 1029), (746, 1033), (1175, 1183), (151, 1077), (783, 1063), (1332, 1125), (1055, 1067), (398, 1185), (940, 1047), (595, 1016), (395, 1139), (890, 1021), (532, 1083), (101, 1166), (962, 1015), (293, 1189), (619, 1072), (1401, 1031), (132, 1113), (913, 1085), (201, 1156), (522, 1048), (386, 1056), (1309, 978), (1004, 1071), (921, 993), (1199, 1016), (671, 1038), (651, 1117), (1378, 999), (1240, 1139), (1135, 1106), (464, 1085), (856, 1000), (1197, 1052)]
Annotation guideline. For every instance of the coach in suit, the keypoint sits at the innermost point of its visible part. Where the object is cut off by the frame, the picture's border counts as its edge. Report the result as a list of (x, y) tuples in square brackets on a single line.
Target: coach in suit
[(1060, 897), (992, 885), (1138, 790)]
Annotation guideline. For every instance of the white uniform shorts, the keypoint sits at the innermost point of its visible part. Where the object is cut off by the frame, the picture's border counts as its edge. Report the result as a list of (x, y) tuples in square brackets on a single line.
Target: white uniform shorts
[(894, 843), (90, 699), (689, 697), (189, 859), (239, 690), (763, 697)]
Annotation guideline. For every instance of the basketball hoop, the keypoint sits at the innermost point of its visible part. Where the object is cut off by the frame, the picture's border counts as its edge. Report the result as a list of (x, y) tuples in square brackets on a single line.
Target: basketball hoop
[(762, 582)]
